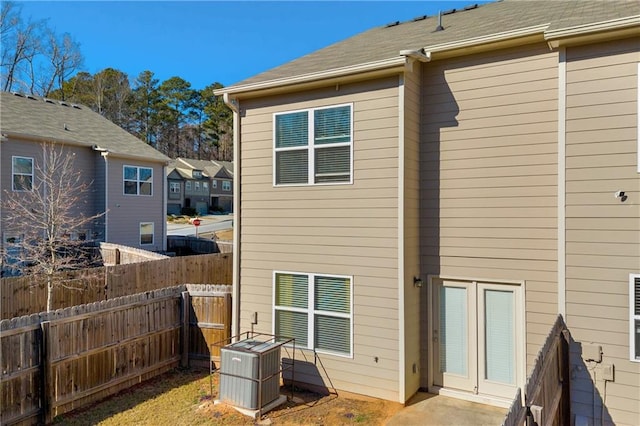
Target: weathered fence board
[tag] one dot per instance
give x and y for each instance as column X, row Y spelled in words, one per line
column 58, row 361
column 209, row 317
column 28, row 295
column 546, row 394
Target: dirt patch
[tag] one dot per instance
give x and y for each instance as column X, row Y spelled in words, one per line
column 184, row 397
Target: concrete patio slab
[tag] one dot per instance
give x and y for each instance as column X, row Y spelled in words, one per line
column 426, row 409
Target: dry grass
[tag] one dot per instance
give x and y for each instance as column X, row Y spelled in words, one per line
column 182, row 397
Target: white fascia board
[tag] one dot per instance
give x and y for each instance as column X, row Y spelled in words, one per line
column 553, row 36
column 491, row 38
column 322, row 75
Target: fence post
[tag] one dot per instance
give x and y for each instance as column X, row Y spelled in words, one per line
column 45, row 372
column 186, row 328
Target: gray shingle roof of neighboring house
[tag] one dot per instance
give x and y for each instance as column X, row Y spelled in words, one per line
column 210, row 167
column 386, row 42
column 56, row 121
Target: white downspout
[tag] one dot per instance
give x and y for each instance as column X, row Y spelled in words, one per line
column 165, row 186
column 562, row 136
column 106, row 195
column 235, row 300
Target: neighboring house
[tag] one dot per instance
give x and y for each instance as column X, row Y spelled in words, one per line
column 204, row 185
column 418, row 205
column 126, row 174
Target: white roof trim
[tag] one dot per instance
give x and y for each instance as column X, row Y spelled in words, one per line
column 304, row 78
column 521, row 32
column 577, row 30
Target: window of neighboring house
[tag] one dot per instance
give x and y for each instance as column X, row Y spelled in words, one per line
column 146, row 233
column 214, row 184
column 22, row 173
column 226, row 185
column 315, row 310
column 197, row 186
column 634, row 317
column 174, row 187
column 188, row 185
column 313, row 146
column 138, row 180
column 205, row 186
column 197, row 174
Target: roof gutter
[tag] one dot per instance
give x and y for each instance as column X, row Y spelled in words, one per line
column 614, row 28
column 391, row 64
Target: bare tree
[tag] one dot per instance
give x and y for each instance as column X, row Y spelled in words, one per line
column 48, row 212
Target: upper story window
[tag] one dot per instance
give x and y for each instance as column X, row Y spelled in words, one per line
column 313, row 146
column 197, row 186
column 187, row 185
column 22, row 173
column 197, row 174
column 226, row 185
column 174, row 187
column 138, row 180
column 214, row 184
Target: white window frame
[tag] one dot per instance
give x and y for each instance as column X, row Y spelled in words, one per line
column 214, row 184
column 311, row 147
column 187, row 186
column 205, row 186
column 174, row 187
column 152, row 233
column 13, row 173
column 137, row 180
column 632, row 318
column 197, row 186
column 226, row 185
column 311, row 311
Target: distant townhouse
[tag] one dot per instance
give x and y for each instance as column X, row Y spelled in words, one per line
column 127, row 176
column 202, row 186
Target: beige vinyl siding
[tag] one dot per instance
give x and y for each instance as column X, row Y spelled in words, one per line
column 411, row 232
column 489, row 175
column 602, row 233
column 126, row 212
column 347, row 230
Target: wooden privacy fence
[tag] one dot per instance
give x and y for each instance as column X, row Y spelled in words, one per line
column 116, row 254
column 58, row 361
column 547, row 397
column 28, row 295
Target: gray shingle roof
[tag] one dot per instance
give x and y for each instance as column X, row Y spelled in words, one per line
column 385, row 42
column 66, row 122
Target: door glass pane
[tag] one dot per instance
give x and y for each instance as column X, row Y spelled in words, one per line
column 453, row 330
column 499, row 336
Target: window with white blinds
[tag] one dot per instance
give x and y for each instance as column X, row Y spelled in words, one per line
column 634, row 317
column 315, row 310
column 313, row 146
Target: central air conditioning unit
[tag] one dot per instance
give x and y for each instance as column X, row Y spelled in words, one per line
column 250, row 373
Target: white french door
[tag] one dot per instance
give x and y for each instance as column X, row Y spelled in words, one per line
column 476, row 332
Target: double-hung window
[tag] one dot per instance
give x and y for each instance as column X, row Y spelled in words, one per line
column 315, row 310
column 138, row 180
column 634, row 317
column 174, row 187
column 313, row 146
column 197, row 186
column 226, row 185
column 146, row 233
column 22, row 173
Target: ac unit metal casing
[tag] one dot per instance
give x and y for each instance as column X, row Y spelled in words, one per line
column 240, row 366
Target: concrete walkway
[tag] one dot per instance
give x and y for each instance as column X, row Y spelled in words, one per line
column 426, row 409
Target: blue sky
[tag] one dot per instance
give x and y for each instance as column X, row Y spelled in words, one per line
column 214, row 41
